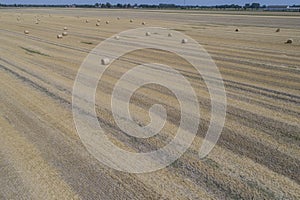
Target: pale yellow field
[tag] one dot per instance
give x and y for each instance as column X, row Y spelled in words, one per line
column 256, row 157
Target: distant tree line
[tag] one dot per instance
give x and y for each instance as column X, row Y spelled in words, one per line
column 174, row 6
column 47, row 5
column 247, row 6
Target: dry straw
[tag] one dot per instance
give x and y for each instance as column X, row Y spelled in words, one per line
column 184, row 41
column 289, row 41
column 105, row 61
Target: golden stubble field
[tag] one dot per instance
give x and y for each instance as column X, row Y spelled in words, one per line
column 256, row 157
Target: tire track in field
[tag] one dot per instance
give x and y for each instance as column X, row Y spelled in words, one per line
column 238, row 144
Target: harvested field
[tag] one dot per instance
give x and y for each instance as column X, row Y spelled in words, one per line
column 256, row 157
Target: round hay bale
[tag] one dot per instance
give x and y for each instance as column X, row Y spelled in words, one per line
column 98, row 20
column 183, row 41
column 65, row 28
column 26, row 32
column 97, row 24
column 87, row 21
column 237, row 30
column 143, row 23
column 118, row 18
column 148, row 33
column 170, row 35
column 131, row 20
column 64, row 33
column 278, row 30
column 107, row 22
column 59, row 36
column 105, row 61
column 117, row 37
column 289, row 41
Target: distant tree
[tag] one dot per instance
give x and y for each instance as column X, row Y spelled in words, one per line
column 255, row 6
column 108, row 5
column 247, row 5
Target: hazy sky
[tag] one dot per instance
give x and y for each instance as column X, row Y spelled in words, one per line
column 188, row 2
